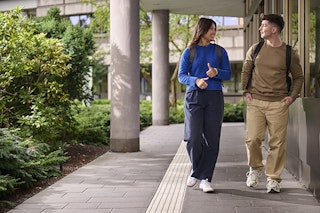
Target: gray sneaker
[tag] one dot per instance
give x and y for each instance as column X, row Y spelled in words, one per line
column 273, row 186
column 253, row 177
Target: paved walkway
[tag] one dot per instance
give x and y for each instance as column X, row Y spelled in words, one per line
column 153, row 180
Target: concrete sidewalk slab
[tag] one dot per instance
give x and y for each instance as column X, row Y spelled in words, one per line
column 231, row 193
column 154, row 180
column 114, row 182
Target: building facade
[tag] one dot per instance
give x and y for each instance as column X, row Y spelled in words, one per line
column 230, row 37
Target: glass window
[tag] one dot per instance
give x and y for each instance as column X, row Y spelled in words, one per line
column 82, row 20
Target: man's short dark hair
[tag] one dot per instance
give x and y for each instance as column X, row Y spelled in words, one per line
column 273, row 18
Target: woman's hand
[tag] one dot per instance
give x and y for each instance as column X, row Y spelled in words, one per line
column 212, row 72
column 201, row 83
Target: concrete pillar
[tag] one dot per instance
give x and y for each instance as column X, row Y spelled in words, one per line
column 276, row 6
column 255, row 27
column 267, row 7
column 125, row 75
column 304, row 35
column 160, row 67
column 287, row 16
column 317, row 63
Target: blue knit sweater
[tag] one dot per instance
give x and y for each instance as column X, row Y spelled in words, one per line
column 203, row 56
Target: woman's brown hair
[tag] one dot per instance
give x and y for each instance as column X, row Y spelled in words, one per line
column 202, row 27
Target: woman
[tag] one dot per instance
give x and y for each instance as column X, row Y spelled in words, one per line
column 204, row 100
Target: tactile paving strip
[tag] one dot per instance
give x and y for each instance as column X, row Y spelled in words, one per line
column 170, row 194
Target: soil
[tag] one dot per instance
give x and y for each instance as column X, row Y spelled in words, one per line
column 79, row 155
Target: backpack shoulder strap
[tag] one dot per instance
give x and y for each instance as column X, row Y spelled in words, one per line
column 256, row 51
column 288, row 57
column 219, row 52
column 288, row 61
column 192, row 55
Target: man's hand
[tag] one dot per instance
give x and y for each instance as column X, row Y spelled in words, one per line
column 201, row 83
column 212, row 72
column 248, row 96
column 288, row 100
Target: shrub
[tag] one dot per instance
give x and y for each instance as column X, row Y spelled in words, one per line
column 233, row 112
column 78, row 43
column 176, row 115
column 93, row 123
column 145, row 113
column 31, row 67
column 24, row 161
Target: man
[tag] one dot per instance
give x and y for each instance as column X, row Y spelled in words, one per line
column 268, row 100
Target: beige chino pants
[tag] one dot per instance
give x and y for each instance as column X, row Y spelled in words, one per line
column 263, row 115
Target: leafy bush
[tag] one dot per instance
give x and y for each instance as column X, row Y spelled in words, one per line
column 31, row 67
column 34, row 100
column 78, row 43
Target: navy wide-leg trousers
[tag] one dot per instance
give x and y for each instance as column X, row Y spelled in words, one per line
column 203, row 120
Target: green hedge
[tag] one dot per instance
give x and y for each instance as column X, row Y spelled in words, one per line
column 233, row 112
column 94, row 121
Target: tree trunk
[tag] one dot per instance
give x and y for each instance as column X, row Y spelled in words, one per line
column 146, row 75
column 173, row 81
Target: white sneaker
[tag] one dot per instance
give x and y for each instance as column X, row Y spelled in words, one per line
column 253, row 177
column 273, row 186
column 191, row 181
column 205, row 186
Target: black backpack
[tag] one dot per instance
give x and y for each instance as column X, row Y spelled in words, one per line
column 288, row 62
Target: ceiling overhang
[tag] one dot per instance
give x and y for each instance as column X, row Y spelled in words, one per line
column 233, row 8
